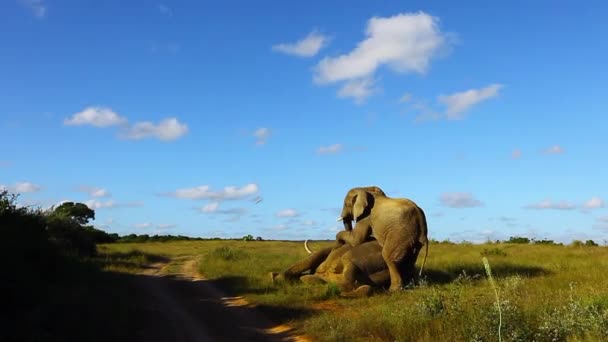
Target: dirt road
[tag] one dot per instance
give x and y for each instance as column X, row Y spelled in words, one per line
column 183, row 307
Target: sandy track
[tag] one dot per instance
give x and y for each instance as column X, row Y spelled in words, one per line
column 184, row 307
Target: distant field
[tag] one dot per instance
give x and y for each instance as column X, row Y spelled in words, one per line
column 547, row 293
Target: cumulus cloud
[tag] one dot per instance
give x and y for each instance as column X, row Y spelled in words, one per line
column 516, row 154
column 21, row 187
column 288, row 213
column 205, row 192
column 459, row 200
column 166, row 130
column 94, row 191
column 97, row 204
column 458, row 103
column 555, row 149
column 306, row 47
column 359, row 89
column 261, row 134
column 331, row 149
column 210, row 207
column 404, row 42
column 549, row 204
column 37, row 7
column 594, row 203
column 95, row 116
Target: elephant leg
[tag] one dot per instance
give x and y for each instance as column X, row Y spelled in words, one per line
column 394, row 253
column 349, row 272
column 309, row 264
column 359, row 292
column 357, row 236
column 311, row 279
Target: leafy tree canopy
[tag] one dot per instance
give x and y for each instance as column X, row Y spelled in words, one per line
column 76, row 211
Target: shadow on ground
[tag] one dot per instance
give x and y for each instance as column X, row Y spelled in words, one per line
column 472, row 272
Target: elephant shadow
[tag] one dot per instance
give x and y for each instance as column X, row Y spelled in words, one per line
column 240, row 285
column 473, row 272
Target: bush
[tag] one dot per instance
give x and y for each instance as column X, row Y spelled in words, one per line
column 518, row 239
column 591, row 243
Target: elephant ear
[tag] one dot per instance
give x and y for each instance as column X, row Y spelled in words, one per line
column 359, row 203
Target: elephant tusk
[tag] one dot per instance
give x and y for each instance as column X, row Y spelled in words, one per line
column 306, row 247
column 339, row 219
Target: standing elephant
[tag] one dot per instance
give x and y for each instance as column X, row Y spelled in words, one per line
column 398, row 224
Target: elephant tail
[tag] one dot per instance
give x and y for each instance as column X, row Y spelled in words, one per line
column 424, row 240
column 426, row 252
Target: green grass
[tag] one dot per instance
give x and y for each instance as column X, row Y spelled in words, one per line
column 547, row 292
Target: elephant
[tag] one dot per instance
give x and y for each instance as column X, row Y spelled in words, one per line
column 398, row 224
column 355, row 270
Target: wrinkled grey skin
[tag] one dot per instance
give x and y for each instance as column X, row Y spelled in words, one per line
column 355, row 270
column 398, row 224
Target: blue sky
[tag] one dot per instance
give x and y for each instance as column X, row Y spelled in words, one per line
column 177, row 117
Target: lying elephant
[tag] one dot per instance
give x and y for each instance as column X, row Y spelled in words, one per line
column 354, row 269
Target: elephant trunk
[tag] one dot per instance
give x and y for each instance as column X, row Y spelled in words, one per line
column 348, row 224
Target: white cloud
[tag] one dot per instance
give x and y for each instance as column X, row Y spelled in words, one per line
column 594, row 203
column 21, row 187
column 404, row 42
column 306, row 47
column 309, row 223
column 168, row 129
column 458, row 103
column 555, row 149
column 95, row 116
column 95, row 192
column 165, row 226
column 407, row 97
column 287, row 213
column 359, row 89
column 459, row 200
column 96, row 204
column 142, row 225
column 549, row 204
column 165, row 10
column 331, row 149
column 228, row 193
column 516, row 154
column 262, row 134
column 37, row 7
column 210, row 207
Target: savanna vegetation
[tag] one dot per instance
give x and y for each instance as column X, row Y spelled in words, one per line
column 546, row 292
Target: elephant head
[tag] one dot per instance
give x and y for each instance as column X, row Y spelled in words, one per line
column 357, row 202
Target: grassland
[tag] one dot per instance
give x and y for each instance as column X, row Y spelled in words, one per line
column 547, row 293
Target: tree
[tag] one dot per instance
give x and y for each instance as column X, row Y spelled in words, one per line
column 248, row 237
column 76, row 211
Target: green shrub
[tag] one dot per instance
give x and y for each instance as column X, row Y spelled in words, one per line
column 518, row 239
